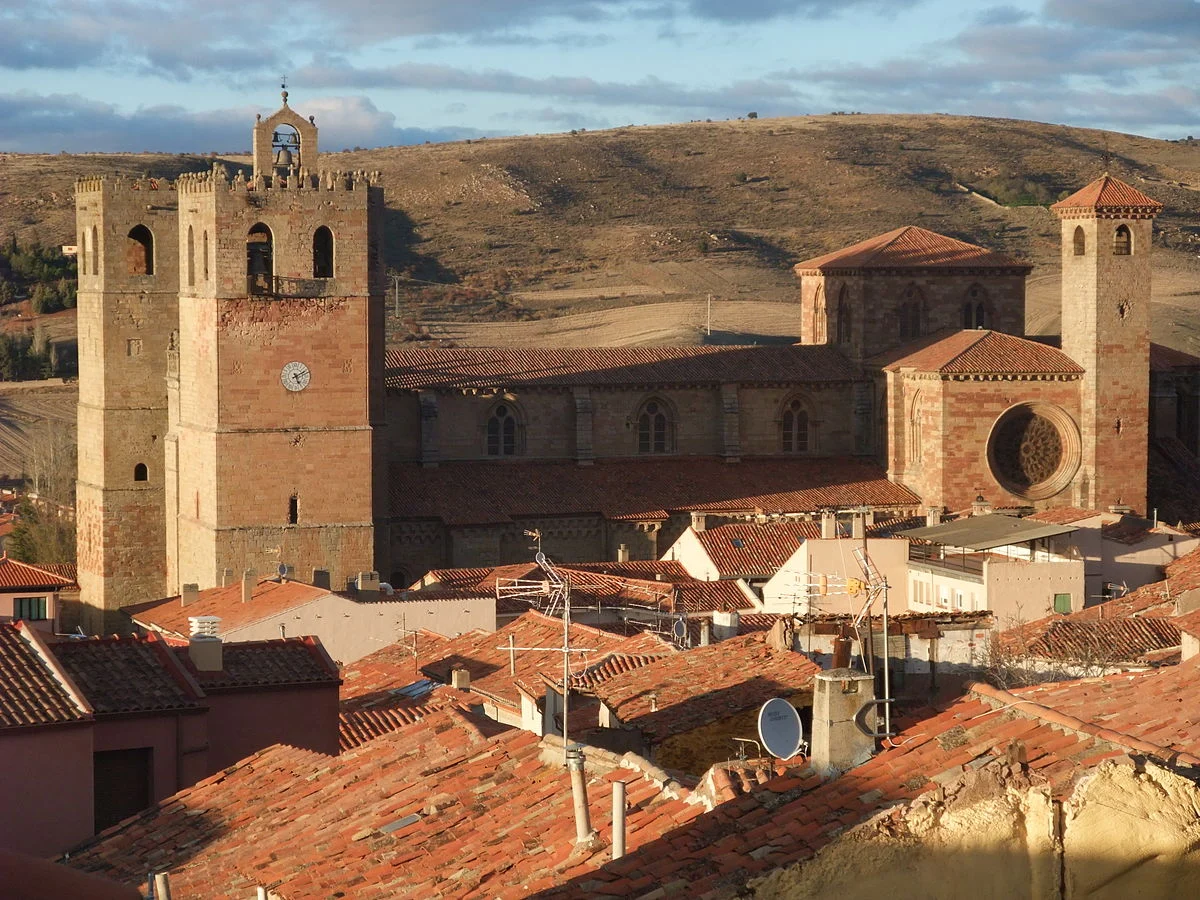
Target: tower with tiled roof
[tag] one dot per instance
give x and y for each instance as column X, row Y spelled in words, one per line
column 1106, row 243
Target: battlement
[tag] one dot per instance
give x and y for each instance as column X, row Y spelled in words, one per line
column 101, row 184
column 218, row 179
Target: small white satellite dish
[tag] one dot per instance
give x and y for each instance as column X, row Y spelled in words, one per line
column 679, row 629
column 779, row 728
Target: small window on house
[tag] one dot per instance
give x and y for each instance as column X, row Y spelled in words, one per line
column 1122, row 241
column 191, row 258
column 1080, row 241
column 31, row 609
column 502, row 431
column 655, row 428
column 293, row 510
column 1062, row 603
column 322, row 253
column 140, row 472
column 793, row 427
column 139, row 251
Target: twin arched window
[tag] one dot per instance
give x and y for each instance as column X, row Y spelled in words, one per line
column 912, row 313
column 793, row 427
column 503, row 431
column 656, row 427
column 975, row 308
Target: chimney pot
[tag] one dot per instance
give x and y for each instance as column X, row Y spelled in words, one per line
column 933, row 515
column 829, row 527
column 699, row 521
column 705, row 631
column 460, row 678
column 226, row 577
column 205, row 646
column 623, row 553
column 189, row 595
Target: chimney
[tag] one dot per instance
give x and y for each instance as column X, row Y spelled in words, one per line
column 460, row 678
column 829, row 527
column 725, row 624
column 368, row 583
column 980, row 506
column 204, row 645
column 226, row 577
column 1120, row 509
column 858, row 526
column 623, row 553
column 838, row 743
column 583, row 819
column 320, row 578
column 249, row 580
column 618, row 820
column 705, row 631
column 933, row 515
column 190, row 594
column 699, row 521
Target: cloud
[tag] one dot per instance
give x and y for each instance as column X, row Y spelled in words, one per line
column 52, row 122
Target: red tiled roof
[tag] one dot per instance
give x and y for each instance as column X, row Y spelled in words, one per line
column 1108, row 194
column 417, row 368
column 369, row 681
column 1164, row 358
column 270, row 597
column 69, row 571
column 750, row 550
column 1156, row 599
column 643, row 569
column 1065, row 515
column 690, row 689
column 1099, row 642
column 482, row 655
column 280, row 661
column 357, row 726
column 451, row 806
column 127, row 674
column 632, row 653
column 20, row 576
column 909, row 247
column 31, row 693
column 475, row 493
column 986, row 352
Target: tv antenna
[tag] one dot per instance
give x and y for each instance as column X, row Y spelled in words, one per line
column 876, row 586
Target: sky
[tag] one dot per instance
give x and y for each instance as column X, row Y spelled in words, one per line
column 164, row 75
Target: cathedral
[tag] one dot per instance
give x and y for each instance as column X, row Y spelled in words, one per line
column 238, row 408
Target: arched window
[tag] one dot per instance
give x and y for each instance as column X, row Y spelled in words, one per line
column 914, row 431
column 1122, row 241
column 95, row 268
column 260, row 259
column 139, row 251
column 911, row 313
column 191, row 258
column 793, row 427
column 975, row 308
column 141, row 473
column 820, row 330
column 1080, row 241
column 204, row 250
column 322, row 253
column 843, row 316
column 503, row 431
column 656, row 430
column 83, row 252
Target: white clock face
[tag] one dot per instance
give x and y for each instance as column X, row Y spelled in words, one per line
column 295, row 376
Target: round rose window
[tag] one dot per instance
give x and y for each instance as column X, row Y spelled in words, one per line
column 1033, row 450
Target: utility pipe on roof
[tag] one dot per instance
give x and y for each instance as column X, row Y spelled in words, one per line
column 618, row 820
column 583, row 819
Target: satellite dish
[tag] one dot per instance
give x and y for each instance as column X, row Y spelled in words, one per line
column 779, row 728
column 679, row 629
column 282, row 570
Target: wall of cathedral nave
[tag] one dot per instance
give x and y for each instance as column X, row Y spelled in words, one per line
column 587, row 423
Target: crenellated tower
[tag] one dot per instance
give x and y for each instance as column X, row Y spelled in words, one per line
column 1106, row 242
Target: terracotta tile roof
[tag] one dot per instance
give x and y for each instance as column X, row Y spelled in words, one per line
column 371, row 680
column 643, row 569
column 986, row 352
column 281, row 661
column 472, row 493
column 1099, row 642
column 1189, row 623
column 1066, row 515
column 128, row 674
column 736, row 778
column 1165, row 358
column 270, row 597
column 706, row 596
column 357, row 726
column 453, row 578
column 750, row 550
column 31, row 693
column 481, row 654
column 1108, row 194
column 1057, row 732
column 687, row 690
column 632, row 653
column 69, row 571
column 451, row 806
column 909, row 247
column 20, row 576
column 1156, row 599
column 417, row 368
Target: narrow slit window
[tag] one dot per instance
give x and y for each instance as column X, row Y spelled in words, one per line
column 293, row 510
column 1080, row 241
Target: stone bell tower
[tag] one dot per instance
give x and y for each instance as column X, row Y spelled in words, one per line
column 275, row 384
column 1106, row 242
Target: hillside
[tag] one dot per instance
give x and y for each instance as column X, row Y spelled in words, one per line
column 533, row 227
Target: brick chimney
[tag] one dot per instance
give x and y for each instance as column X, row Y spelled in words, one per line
column 189, row 595
column 204, row 645
column 837, row 742
column 249, row 581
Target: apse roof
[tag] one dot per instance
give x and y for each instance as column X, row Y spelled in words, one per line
column 910, row 247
